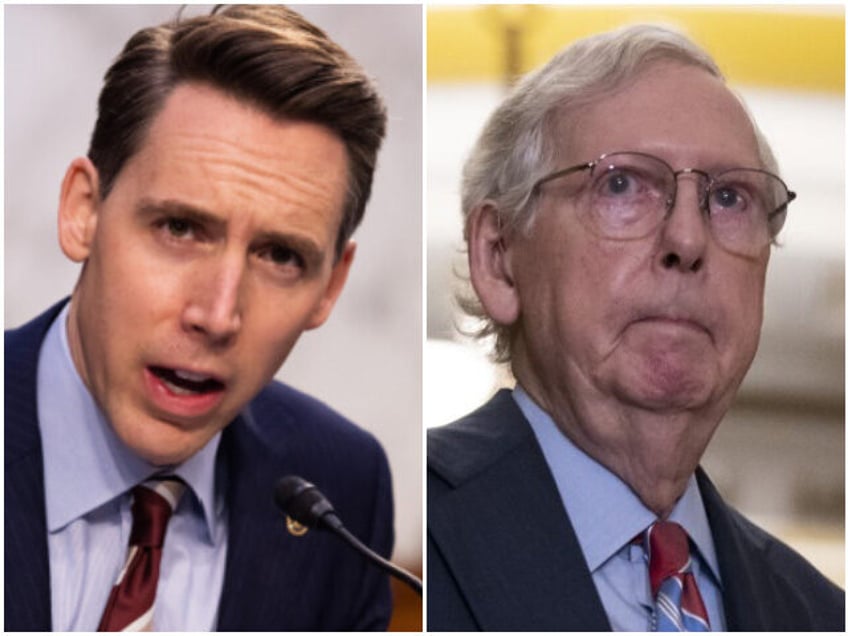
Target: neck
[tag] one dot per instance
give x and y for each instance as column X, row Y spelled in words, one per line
column 653, row 452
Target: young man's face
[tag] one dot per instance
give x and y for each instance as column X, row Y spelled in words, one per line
column 212, row 253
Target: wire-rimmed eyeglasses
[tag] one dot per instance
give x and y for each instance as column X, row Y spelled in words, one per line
column 629, row 194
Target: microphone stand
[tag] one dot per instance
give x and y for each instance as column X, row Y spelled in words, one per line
column 304, row 503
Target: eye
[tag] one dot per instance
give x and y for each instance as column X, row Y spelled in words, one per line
column 282, row 256
column 616, row 183
column 178, row 227
column 728, row 198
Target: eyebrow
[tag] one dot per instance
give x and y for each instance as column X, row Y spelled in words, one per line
column 308, row 248
column 150, row 207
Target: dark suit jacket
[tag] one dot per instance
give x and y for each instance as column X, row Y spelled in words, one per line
column 502, row 554
column 273, row 580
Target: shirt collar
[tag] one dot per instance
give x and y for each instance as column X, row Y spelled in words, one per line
column 75, row 434
column 605, row 513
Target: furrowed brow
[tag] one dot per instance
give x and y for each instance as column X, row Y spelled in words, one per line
column 150, row 207
column 309, row 250
column 306, row 246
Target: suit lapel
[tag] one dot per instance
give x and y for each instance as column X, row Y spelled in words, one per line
column 518, row 564
column 249, row 599
column 751, row 602
column 27, row 570
column 267, row 584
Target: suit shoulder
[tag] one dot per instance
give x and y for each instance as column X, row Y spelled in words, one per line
column 22, row 343
column 21, row 348
column 788, row 563
column 285, row 415
column 791, row 594
column 284, row 431
column 461, row 449
column 814, row 602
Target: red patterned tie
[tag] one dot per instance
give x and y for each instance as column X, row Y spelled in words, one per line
column 130, row 605
column 678, row 603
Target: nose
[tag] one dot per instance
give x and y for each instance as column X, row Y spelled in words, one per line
column 214, row 302
column 684, row 235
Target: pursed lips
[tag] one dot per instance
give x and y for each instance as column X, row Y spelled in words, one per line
column 684, row 320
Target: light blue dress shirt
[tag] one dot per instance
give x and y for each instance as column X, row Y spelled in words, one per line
column 88, row 473
column 606, row 515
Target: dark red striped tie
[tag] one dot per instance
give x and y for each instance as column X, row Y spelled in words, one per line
column 130, row 605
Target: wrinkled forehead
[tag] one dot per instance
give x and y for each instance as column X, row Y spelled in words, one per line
column 679, row 112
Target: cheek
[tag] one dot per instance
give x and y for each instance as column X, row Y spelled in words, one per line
column 140, row 289
column 572, row 292
column 273, row 320
column 270, row 339
column 743, row 303
column 603, row 284
column 116, row 281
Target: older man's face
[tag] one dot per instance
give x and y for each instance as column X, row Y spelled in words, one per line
column 664, row 323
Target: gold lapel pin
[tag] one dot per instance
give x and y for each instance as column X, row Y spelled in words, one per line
column 296, row 529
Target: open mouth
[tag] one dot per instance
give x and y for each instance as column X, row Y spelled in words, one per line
column 186, row 383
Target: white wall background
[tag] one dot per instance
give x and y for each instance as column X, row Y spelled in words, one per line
column 366, row 361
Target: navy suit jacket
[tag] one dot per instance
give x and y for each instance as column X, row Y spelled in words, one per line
column 502, row 554
column 273, row 581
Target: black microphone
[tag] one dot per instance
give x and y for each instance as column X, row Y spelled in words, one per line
column 304, row 503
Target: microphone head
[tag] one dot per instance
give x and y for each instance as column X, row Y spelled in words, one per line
column 302, row 501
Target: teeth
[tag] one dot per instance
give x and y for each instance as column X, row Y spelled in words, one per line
column 181, row 382
column 178, row 389
column 191, row 377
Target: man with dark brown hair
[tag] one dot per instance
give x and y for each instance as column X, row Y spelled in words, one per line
column 230, row 163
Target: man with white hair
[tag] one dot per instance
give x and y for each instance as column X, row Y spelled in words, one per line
column 619, row 208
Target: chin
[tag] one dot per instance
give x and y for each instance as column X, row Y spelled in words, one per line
column 682, row 391
column 163, row 455
column 163, row 444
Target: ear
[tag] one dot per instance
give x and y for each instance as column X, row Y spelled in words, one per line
column 334, row 287
column 78, row 204
column 489, row 262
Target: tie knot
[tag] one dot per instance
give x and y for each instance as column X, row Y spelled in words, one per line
column 668, row 550
column 153, row 503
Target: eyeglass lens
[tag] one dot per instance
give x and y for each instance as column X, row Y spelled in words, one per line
column 630, row 194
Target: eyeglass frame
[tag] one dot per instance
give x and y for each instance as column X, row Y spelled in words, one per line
column 711, row 180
